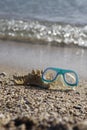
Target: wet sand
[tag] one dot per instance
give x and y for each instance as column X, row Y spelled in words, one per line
column 31, row 108
column 25, row 57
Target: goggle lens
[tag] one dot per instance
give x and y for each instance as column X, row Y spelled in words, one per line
column 49, row 75
column 70, row 77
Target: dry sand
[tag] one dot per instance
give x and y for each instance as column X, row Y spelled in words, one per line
column 33, row 108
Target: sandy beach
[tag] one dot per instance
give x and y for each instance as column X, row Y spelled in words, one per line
column 33, row 108
column 25, row 107
column 35, row 35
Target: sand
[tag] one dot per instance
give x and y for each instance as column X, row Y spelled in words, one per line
column 33, row 108
column 30, row 107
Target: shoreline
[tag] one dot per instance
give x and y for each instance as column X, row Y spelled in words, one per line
column 24, row 57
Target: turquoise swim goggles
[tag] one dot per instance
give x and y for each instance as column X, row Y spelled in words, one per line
column 69, row 76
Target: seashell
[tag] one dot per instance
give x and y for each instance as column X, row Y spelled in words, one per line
column 38, row 72
column 19, row 81
column 3, row 74
column 33, row 72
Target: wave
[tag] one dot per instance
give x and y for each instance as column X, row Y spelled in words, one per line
column 43, row 32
